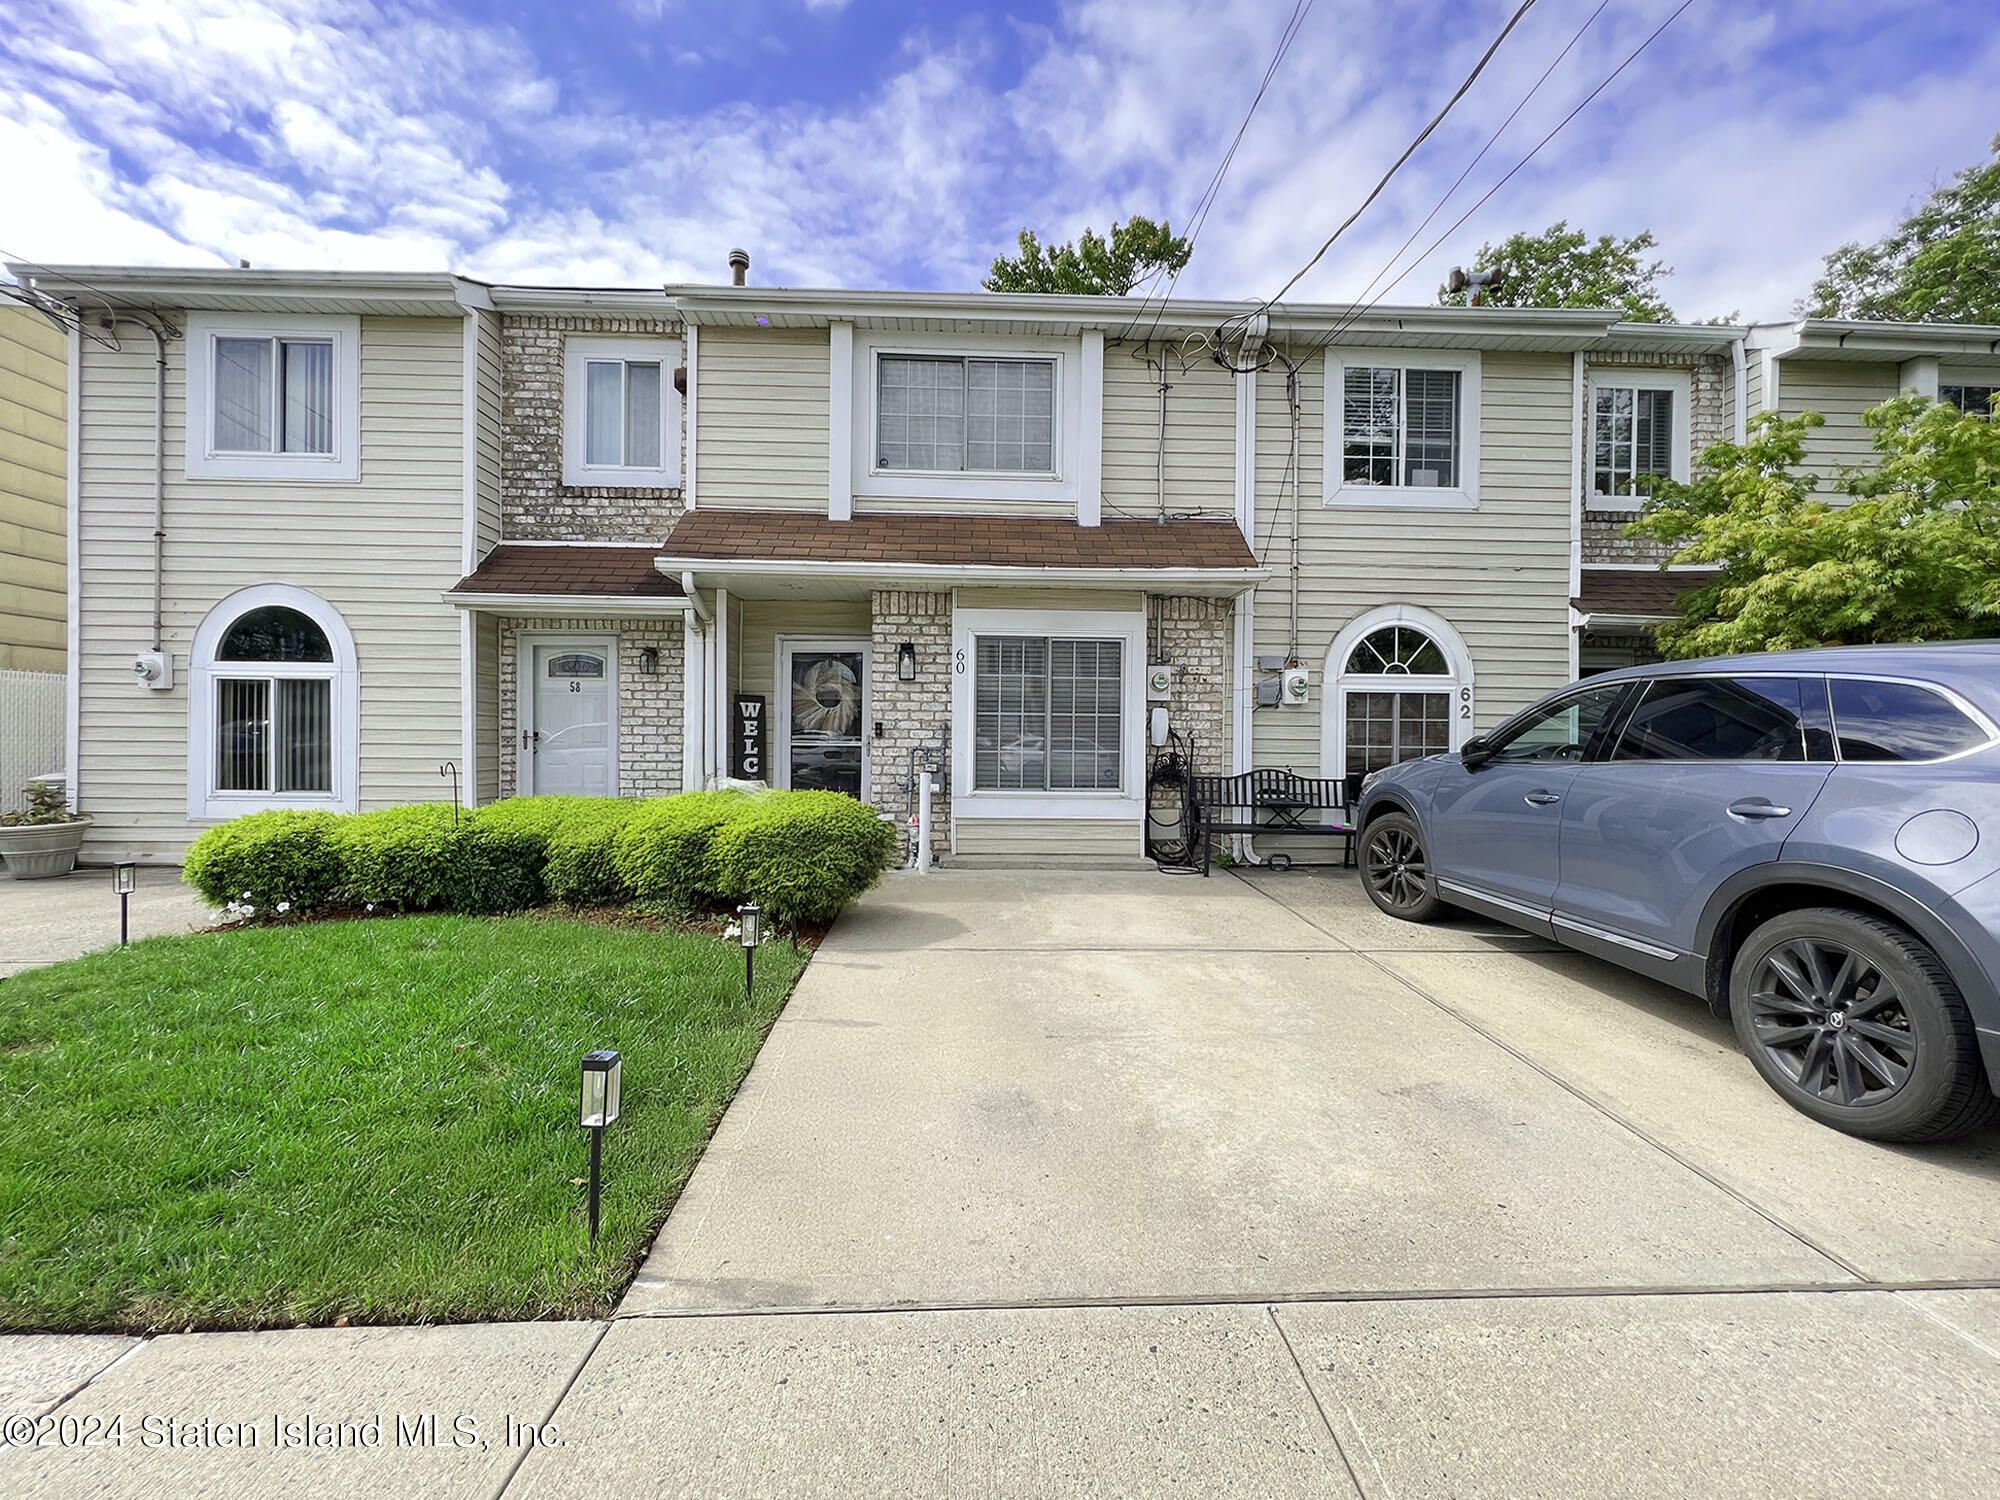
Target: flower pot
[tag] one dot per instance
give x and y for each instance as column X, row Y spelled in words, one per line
column 41, row 851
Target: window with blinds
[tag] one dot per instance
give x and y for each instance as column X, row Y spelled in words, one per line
column 1632, row 439
column 273, row 395
column 274, row 734
column 964, row 415
column 1400, row 427
column 1047, row 714
column 624, row 413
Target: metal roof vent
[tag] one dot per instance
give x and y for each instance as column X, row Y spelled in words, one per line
column 739, row 267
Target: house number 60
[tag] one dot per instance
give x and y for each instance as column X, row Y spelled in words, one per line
column 958, row 660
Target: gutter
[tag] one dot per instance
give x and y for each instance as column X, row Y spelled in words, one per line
column 1228, row 580
column 593, row 604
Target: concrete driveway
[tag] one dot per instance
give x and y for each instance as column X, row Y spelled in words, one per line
column 46, row 921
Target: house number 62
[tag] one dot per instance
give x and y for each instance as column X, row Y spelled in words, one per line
column 1465, row 703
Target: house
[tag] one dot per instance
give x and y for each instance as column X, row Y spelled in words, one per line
column 34, row 449
column 351, row 540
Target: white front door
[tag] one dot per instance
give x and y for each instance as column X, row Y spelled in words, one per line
column 822, row 715
column 570, row 732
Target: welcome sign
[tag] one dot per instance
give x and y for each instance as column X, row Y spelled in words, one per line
column 746, row 755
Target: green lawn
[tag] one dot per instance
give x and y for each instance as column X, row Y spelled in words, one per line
column 374, row 1120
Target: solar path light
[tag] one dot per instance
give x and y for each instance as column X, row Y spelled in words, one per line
column 601, row 1083
column 124, row 880
column 751, row 919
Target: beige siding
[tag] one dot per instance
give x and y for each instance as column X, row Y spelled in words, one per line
column 1127, row 600
column 1200, row 435
column 379, row 551
column 761, row 402
column 488, row 457
column 1499, row 574
column 1048, row 837
column 34, row 492
column 1753, row 383
column 1840, row 392
column 486, row 709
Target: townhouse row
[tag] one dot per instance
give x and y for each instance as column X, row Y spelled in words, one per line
column 343, row 540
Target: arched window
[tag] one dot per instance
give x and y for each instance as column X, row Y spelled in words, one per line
column 272, row 707
column 1399, row 686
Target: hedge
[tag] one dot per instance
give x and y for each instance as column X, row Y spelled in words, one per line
column 802, row 856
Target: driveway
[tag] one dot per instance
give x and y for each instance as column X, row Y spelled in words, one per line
column 46, row 921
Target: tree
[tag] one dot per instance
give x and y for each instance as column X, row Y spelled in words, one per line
column 1913, row 556
column 1940, row 265
column 1562, row 267
column 1091, row 266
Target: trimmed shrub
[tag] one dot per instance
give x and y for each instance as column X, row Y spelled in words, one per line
column 405, row 858
column 526, row 825
column 802, row 856
column 580, row 870
column 665, row 852
column 269, row 857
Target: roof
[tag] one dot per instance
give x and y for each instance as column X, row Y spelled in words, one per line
column 1026, row 542
column 1638, row 592
column 529, row 570
column 1865, row 339
column 230, row 289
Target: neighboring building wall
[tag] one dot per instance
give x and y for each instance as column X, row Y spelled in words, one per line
column 488, row 449
column 1499, row 574
column 649, row 708
column 537, row 505
column 1839, row 392
column 1194, row 637
column 381, row 552
column 913, row 715
column 1200, row 433
column 1712, row 382
column 761, row 400
column 34, row 493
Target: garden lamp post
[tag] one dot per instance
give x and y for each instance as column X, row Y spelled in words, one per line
column 751, row 919
column 124, row 880
column 599, row 1107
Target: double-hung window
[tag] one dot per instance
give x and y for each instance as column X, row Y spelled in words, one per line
column 951, row 415
column 1638, row 434
column 621, row 413
column 1047, row 714
column 273, row 399
column 1970, row 398
column 1399, row 427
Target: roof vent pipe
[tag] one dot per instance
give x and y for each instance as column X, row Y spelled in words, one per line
column 739, row 267
column 1476, row 284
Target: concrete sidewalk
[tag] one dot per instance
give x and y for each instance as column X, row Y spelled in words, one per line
column 47, row 921
column 1105, row 1185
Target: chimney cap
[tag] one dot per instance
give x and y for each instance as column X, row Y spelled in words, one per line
column 739, row 265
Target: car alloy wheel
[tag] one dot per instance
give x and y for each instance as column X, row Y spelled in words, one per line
column 1395, row 870
column 1833, row 1021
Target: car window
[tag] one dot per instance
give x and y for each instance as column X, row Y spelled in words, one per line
column 1560, row 730
column 1899, row 721
column 1716, row 718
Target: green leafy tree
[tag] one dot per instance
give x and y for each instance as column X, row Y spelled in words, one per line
column 1913, row 554
column 1940, row 265
column 1092, row 266
column 1564, row 267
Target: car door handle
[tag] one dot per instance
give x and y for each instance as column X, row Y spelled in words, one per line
column 1758, row 807
column 1542, row 799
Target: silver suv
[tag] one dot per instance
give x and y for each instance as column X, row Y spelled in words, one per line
column 1810, row 840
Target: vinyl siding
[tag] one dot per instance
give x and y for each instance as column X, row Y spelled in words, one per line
column 380, row 552
column 1048, row 837
column 486, row 709
column 1499, row 574
column 761, row 403
column 1126, row 600
column 1840, row 392
column 1200, row 435
column 488, row 523
column 1753, row 383
column 34, row 492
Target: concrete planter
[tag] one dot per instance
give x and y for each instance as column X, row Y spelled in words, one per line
column 42, row 851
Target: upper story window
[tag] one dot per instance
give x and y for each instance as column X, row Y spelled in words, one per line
column 1403, row 432
column 1638, row 431
column 273, row 399
column 1971, row 398
column 621, row 413
column 943, row 414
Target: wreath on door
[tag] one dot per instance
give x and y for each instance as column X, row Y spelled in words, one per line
column 826, row 699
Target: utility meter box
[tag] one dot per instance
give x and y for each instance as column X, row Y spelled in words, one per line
column 1294, row 687
column 154, row 669
column 1159, row 682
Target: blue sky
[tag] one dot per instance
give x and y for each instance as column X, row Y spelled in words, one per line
column 859, row 142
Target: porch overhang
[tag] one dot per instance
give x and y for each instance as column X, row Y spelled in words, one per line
column 555, row 580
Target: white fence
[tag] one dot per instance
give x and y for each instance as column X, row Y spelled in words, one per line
column 33, row 725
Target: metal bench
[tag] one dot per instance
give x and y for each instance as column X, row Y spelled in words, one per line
column 1276, row 803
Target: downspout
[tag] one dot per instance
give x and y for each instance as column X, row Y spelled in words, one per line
column 1160, row 462
column 696, row 698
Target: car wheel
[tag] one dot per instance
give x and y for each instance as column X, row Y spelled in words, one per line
column 1858, row 1024
column 1396, row 870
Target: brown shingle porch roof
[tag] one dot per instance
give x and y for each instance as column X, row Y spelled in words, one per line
column 580, row 572
column 1637, row 591
column 954, row 541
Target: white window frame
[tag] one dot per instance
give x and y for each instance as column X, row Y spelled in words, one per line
column 204, row 461
column 1125, row 626
column 1073, row 449
column 788, row 646
column 205, row 802
column 1462, row 496
column 526, row 643
column 1339, row 682
column 1679, row 384
column 578, row 352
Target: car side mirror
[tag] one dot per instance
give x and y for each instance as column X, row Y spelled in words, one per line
column 1475, row 752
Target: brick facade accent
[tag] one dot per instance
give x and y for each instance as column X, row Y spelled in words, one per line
column 649, row 708
column 913, row 715
column 1605, row 518
column 1193, row 636
column 535, row 504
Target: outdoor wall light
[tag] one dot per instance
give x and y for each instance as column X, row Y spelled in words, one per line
column 649, row 661
column 124, row 880
column 598, row 1107
column 750, row 918
column 906, row 662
